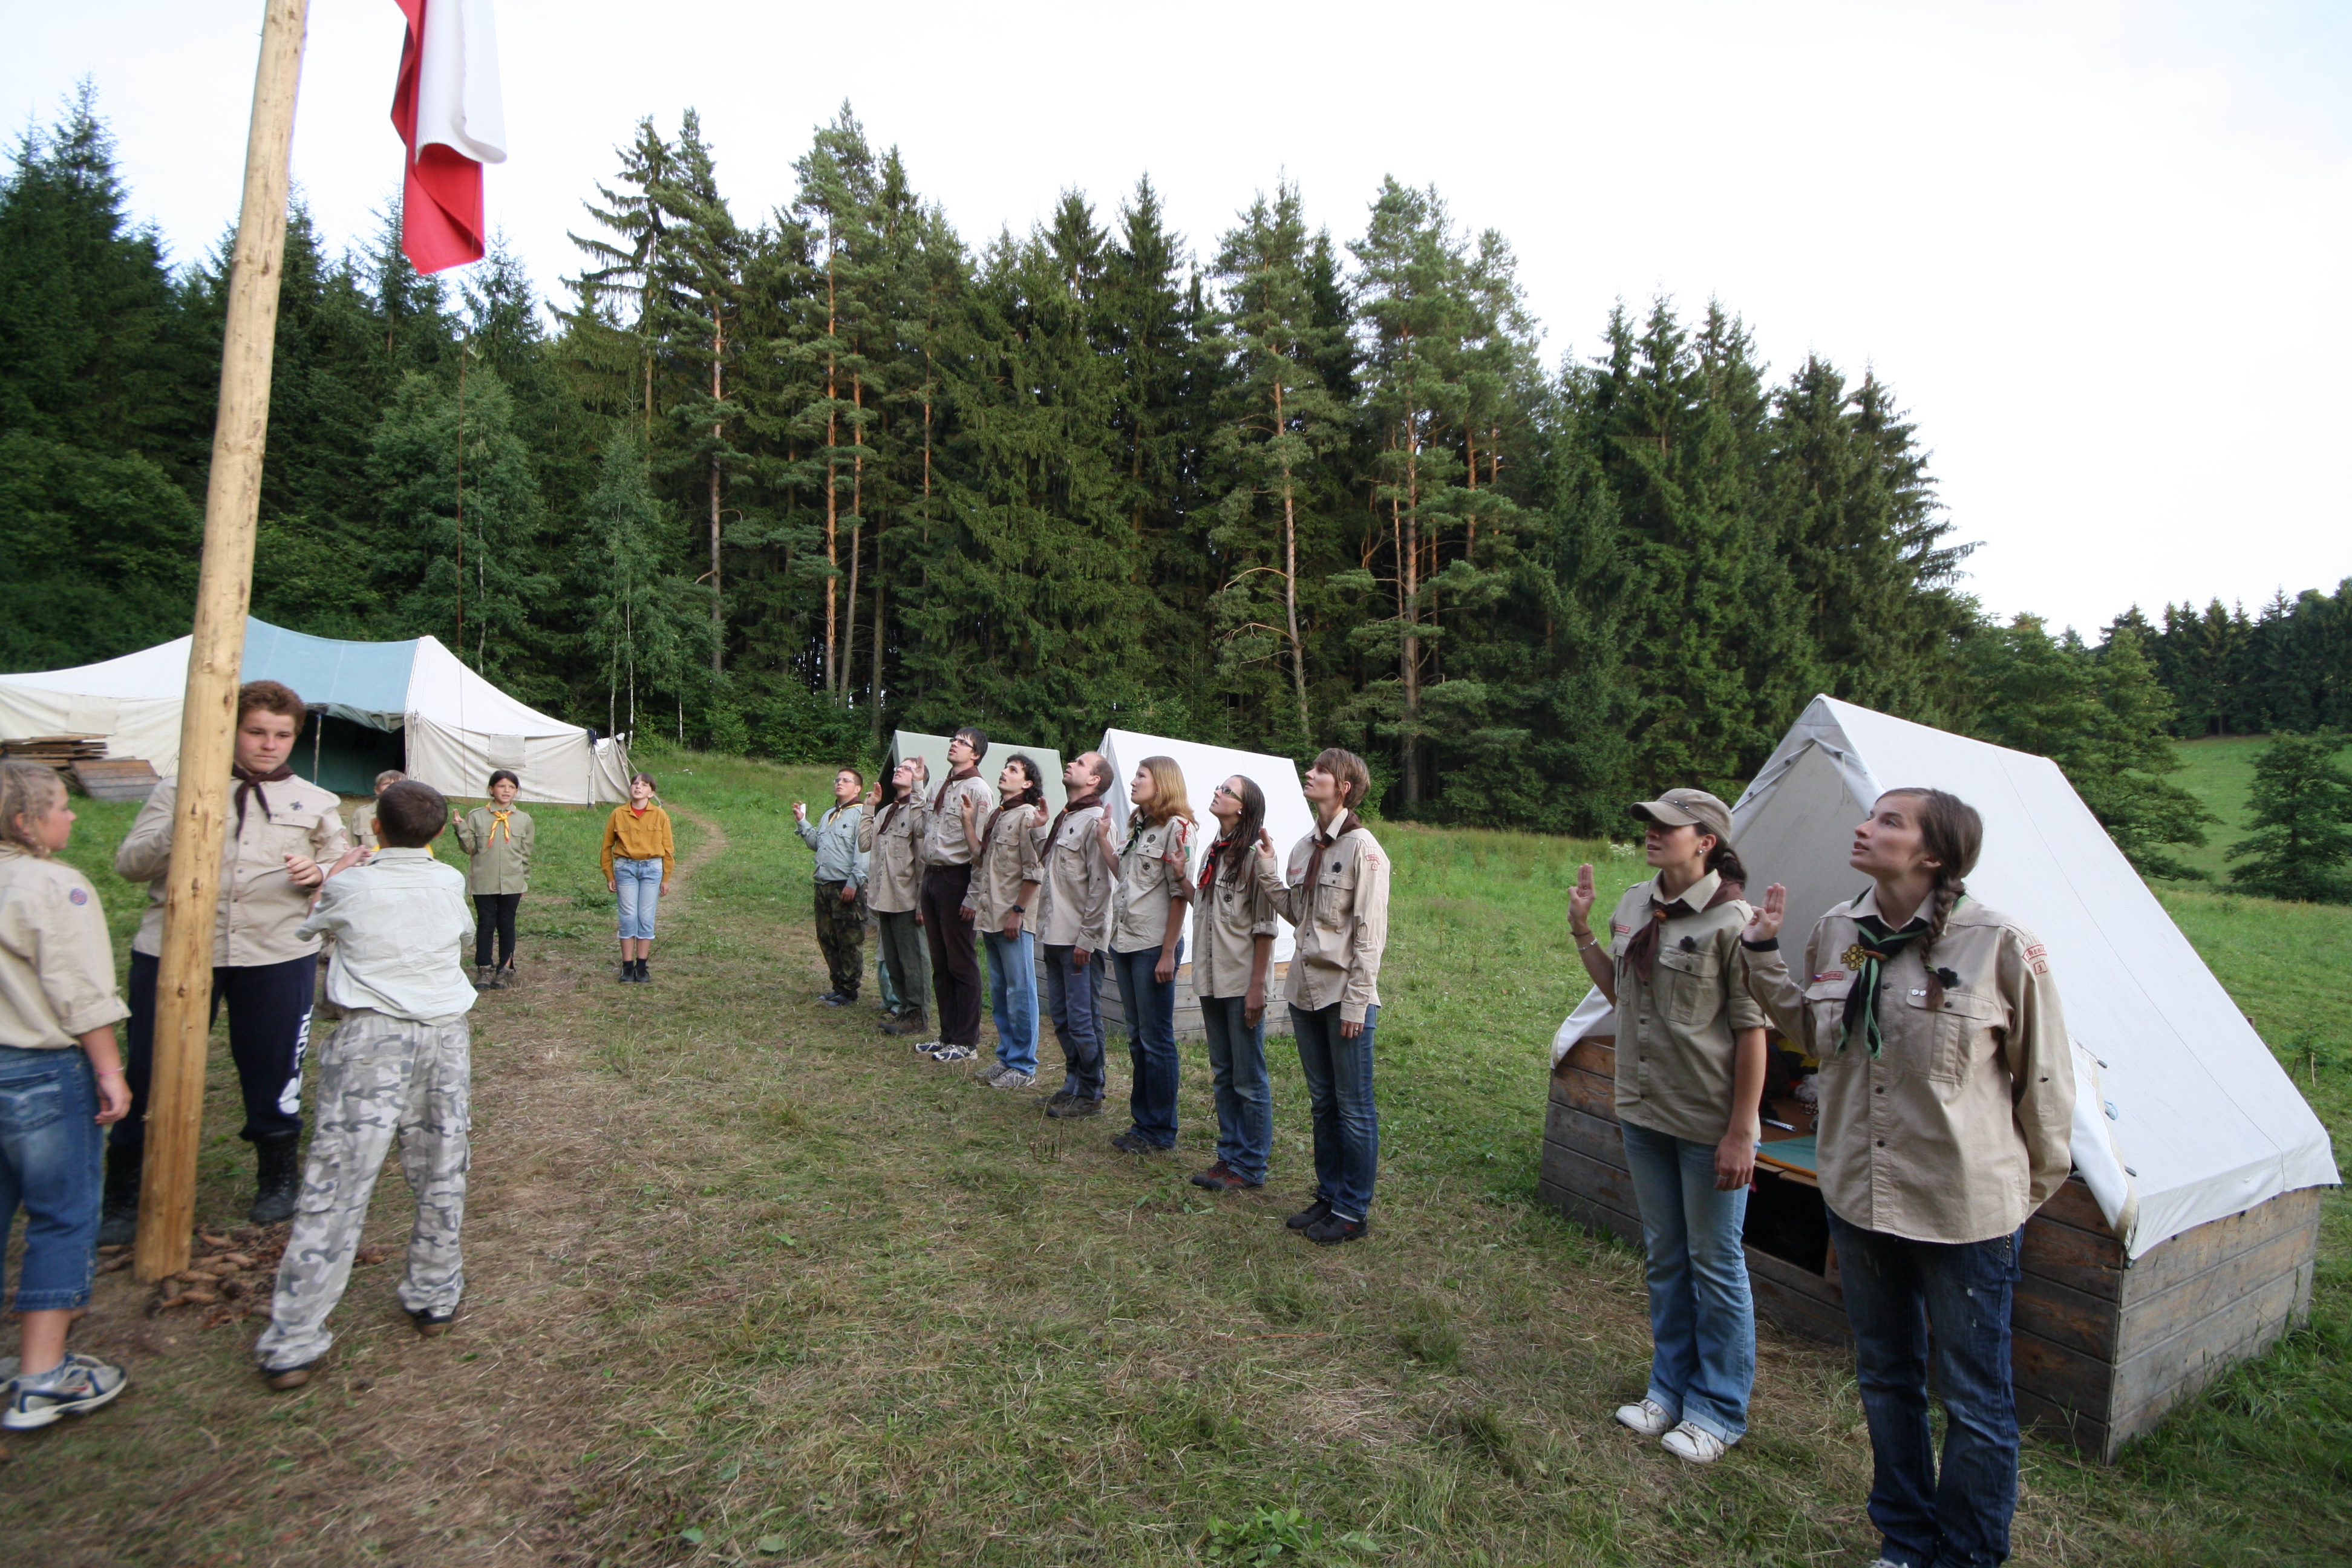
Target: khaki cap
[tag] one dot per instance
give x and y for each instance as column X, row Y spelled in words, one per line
column 1687, row 809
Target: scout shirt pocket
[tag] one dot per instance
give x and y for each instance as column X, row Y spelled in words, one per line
column 1689, row 983
column 1825, row 1015
column 1335, row 898
column 1959, row 1033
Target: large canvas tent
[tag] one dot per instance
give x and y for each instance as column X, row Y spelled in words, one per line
column 2187, row 1239
column 409, row 705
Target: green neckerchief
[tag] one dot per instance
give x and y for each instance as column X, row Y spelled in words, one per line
column 1867, row 957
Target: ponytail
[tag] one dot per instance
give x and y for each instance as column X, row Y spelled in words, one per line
column 1951, row 830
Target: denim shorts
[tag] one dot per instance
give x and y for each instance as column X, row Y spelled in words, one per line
column 50, row 1162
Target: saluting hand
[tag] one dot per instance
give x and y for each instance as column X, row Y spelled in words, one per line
column 1266, row 849
column 873, row 796
column 1580, row 900
column 799, row 811
column 1765, row 924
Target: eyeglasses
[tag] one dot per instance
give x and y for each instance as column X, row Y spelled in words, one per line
column 1223, row 789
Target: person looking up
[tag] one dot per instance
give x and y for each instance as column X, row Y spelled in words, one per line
column 951, row 826
column 639, row 849
column 1945, row 1118
column 1074, row 923
column 1004, row 879
column 840, row 878
column 890, row 834
column 1690, row 1082
column 1234, row 928
column 1147, row 943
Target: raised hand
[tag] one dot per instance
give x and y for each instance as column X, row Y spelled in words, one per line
column 1265, row 848
column 1765, row 924
column 799, row 811
column 1580, row 900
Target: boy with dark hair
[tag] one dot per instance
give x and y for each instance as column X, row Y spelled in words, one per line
column 400, row 1066
column 282, row 833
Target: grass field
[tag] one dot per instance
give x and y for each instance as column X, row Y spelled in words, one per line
column 2219, row 771
column 750, row 1282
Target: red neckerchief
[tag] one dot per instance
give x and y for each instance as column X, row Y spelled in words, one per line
column 1209, row 866
column 1642, row 952
column 250, row 783
column 1315, row 862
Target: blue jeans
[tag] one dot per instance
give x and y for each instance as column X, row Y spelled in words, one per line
column 1338, row 1073
column 1150, row 1043
column 1701, row 1320
column 50, row 1156
column 638, row 882
column 1237, row 1073
column 1013, row 997
column 1073, row 1000
column 1897, row 1291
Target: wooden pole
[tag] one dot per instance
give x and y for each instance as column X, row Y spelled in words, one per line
column 176, row 1103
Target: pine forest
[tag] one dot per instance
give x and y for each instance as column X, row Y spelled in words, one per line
column 782, row 482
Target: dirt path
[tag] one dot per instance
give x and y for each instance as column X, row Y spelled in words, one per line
column 479, row 1447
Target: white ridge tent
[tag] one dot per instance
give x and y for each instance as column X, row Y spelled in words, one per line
column 2184, row 1115
column 452, row 727
column 1287, row 816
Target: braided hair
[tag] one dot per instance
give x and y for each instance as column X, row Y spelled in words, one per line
column 32, row 791
column 1951, row 831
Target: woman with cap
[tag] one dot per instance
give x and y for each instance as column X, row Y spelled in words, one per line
column 1690, row 1076
column 1947, row 1113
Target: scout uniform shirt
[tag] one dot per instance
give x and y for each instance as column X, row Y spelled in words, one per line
column 56, row 966
column 1960, row 1128
column 261, row 905
column 1155, row 867
column 1007, row 859
column 1228, row 917
column 1675, row 1047
column 399, row 928
column 501, row 843
column 835, row 837
column 363, row 834
column 1073, row 907
column 944, row 843
column 1342, row 921
column 892, row 839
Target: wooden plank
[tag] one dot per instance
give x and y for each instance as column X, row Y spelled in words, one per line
column 1797, row 1298
column 2148, row 1321
column 128, row 778
column 1593, row 1056
column 2063, row 1316
column 1587, row 1135
column 2065, row 1377
column 2073, row 1204
column 1589, row 1179
column 2093, row 1265
column 2192, row 1252
column 1588, row 1092
column 2085, row 1432
column 1583, row 1210
column 2182, row 1367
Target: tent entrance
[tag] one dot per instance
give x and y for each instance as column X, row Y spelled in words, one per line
column 338, row 754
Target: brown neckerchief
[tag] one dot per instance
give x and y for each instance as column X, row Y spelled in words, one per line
column 249, row 784
column 1315, row 862
column 1642, row 952
column 968, row 770
column 1086, row 802
column 989, row 832
column 889, row 813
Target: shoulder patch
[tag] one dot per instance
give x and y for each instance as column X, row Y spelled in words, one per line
column 1829, row 974
column 78, row 896
column 2037, row 950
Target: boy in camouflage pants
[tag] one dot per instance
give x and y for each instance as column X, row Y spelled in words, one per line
column 399, row 1066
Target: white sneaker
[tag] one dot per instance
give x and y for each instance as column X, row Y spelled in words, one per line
column 928, row 1048
column 1648, row 1417
column 1693, row 1446
column 1012, row 1077
column 986, row 1077
column 953, row 1054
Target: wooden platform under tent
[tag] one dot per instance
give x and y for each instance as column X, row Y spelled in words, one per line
column 82, row 761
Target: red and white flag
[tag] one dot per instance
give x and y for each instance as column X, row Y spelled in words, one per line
column 446, row 110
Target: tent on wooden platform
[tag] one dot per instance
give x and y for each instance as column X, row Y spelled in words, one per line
column 2187, row 1239
column 409, row 705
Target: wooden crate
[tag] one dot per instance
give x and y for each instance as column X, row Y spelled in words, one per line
column 2102, row 1347
column 121, row 778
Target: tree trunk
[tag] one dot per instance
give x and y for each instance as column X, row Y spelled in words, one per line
column 832, row 498
column 1290, row 579
column 718, row 601
column 1409, row 654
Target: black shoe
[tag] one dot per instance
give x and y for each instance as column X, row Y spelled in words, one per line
column 432, row 1324
column 628, row 972
column 1221, row 1178
column 285, row 1380
column 1332, row 1230
column 1075, row 1105
column 118, row 1224
column 645, row 975
column 835, row 999
column 278, row 1177
column 1133, row 1142
column 1314, row 1213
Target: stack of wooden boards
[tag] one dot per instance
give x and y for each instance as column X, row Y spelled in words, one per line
column 83, row 761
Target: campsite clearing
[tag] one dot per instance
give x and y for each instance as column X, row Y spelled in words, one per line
column 743, row 1271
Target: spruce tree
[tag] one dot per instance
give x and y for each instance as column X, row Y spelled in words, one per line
column 2302, row 816
column 645, row 626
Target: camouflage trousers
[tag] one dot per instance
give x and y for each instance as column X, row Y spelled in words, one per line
column 380, row 1078
column 841, row 934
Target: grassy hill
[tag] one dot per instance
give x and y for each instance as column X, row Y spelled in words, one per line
column 2219, row 771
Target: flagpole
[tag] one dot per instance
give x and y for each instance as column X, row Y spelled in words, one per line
column 176, row 1103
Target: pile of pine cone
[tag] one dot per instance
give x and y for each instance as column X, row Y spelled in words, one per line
column 229, row 1276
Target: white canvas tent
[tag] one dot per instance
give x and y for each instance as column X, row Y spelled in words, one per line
column 2184, row 1115
column 454, row 726
column 1287, row 816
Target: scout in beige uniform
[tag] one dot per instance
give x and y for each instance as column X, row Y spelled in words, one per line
column 500, row 839
column 1147, row 943
column 1690, row 1074
column 59, row 1081
column 891, row 834
column 363, row 834
column 1946, row 1101
column 959, row 808
column 1234, row 928
column 1074, row 919
column 1004, row 879
column 1335, row 894
column 283, row 832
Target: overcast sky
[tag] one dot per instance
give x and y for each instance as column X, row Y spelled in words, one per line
column 2098, row 250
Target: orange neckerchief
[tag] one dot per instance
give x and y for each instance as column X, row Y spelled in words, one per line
column 499, row 824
